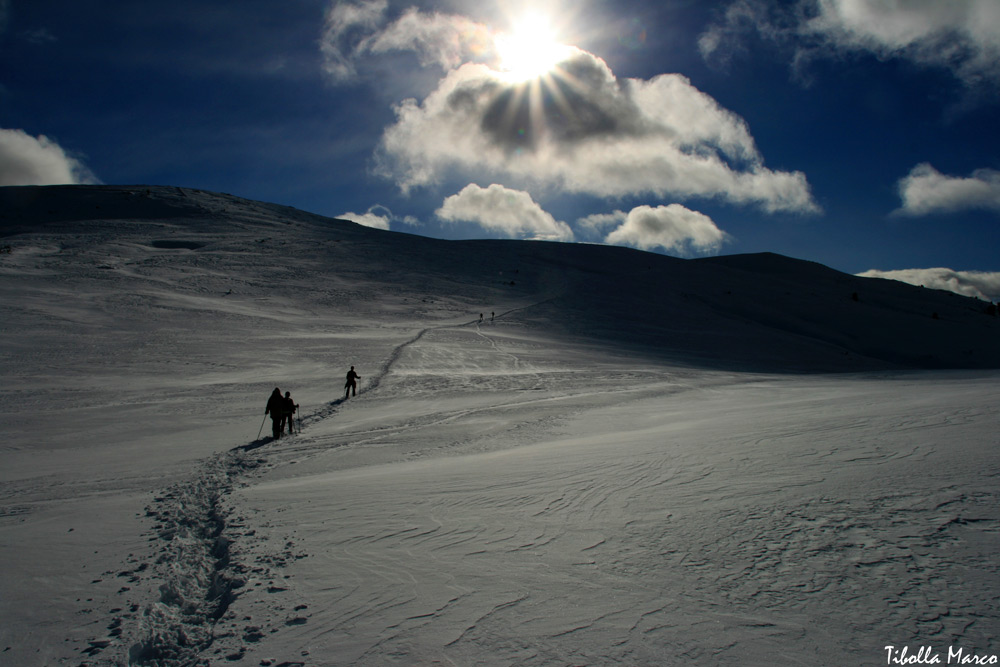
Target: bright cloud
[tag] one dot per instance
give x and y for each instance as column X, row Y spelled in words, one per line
column 510, row 212
column 28, row 160
column 926, row 190
column 960, row 35
column 979, row 284
column 673, row 228
column 576, row 128
column 377, row 217
column 582, row 130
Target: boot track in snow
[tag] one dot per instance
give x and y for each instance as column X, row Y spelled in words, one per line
column 200, row 573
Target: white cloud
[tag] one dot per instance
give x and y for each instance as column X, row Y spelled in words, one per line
column 597, row 222
column 439, row 39
column 963, row 35
column 960, row 35
column 724, row 38
column 28, row 160
column 370, row 218
column 512, row 213
column 348, row 27
column 583, row 130
column 355, row 31
column 926, row 190
column 673, row 228
column 979, row 284
column 580, row 129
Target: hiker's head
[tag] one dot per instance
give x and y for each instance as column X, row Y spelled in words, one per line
column 287, row 394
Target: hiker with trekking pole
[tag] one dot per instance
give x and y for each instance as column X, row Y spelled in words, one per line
column 276, row 409
column 290, row 407
column 352, row 383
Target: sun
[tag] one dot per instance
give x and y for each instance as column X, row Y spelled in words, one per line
column 530, row 49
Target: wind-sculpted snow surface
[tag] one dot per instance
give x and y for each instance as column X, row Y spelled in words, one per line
column 712, row 520
column 637, row 460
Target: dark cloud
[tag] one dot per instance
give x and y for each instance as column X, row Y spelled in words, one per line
column 578, row 101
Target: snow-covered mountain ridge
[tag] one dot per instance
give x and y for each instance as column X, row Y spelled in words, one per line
column 752, row 312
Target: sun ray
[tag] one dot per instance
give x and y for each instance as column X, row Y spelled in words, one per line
column 530, row 50
column 544, row 103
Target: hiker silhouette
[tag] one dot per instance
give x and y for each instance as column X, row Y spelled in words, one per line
column 288, row 411
column 351, row 387
column 276, row 409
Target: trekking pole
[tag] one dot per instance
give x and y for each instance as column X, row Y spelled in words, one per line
column 261, row 427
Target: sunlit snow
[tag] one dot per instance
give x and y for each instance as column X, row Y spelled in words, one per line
column 630, row 460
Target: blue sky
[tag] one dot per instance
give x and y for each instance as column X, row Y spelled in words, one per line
column 861, row 134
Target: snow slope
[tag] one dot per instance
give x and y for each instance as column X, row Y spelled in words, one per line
column 641, row 460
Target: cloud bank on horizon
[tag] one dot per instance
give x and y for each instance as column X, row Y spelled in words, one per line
column 980, row 284
column 28, row 160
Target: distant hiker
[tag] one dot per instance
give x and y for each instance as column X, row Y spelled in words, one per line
column 352, row 383
column 288, row 411
column 480, row 318
column 275, row 408
column 492, row 316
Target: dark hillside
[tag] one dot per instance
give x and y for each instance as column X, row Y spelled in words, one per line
column 760, row 312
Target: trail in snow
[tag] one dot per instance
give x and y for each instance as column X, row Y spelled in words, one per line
column 198, row 560
column 371, row 385
column 375, row 379
column 200, row 571
column 479, row 331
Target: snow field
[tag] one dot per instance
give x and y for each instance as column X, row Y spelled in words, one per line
column 759, row 519
column 587, row 480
